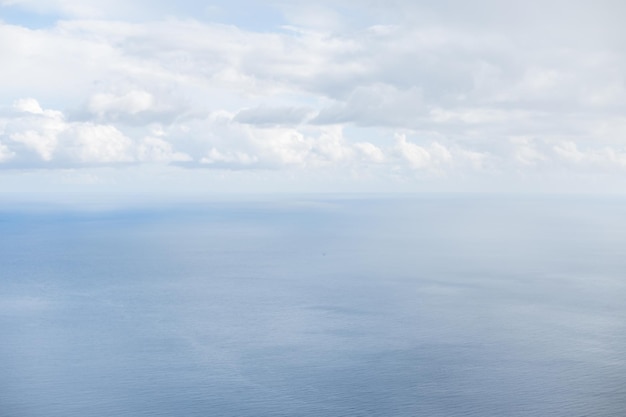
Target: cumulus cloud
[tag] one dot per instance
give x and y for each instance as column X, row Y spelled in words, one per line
column 605, row 158
column 152, row 149
column 5, row 153
column 35, row 129
column 280, row 146
column 417, row 156
column 28, row 105
column 434, row 157
column 46, row 136
column 526, row 152
column 405, row 87
column 92, row 143
column 369, row 152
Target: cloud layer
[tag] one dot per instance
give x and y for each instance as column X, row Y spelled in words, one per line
column 405, row 91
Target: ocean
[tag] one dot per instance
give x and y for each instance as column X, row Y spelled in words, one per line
column 426, row 305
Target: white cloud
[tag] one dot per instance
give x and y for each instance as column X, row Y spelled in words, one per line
column 376, row 105
column 59, row 142
column 526, row 152
column 28, row 105
column 158, row 150
column 36, row 129
column 273, row 115
column 469, row 86
column 221, row 139
column 369, row 152
column 44, row 144
column 477, row 161
column 132, row 102
column 5, row 153
column 234, row 159
column 603, row 159
column 417, row 156
column 420, row 157
column 91, row 143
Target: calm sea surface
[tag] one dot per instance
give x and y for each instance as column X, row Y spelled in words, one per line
column 426, row 306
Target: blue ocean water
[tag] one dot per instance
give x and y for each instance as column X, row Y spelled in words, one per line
column 312, row 306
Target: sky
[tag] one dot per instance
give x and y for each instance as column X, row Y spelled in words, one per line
column 239, row 96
